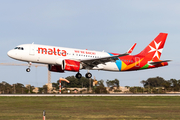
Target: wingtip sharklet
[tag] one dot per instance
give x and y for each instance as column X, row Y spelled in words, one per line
column 131, row 49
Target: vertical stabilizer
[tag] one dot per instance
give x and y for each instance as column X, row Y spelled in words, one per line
column 155, row 48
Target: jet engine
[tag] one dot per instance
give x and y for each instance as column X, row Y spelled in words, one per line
column 55, row 68
column 71, row 65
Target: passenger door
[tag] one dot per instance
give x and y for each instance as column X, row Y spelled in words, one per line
column 32, row 50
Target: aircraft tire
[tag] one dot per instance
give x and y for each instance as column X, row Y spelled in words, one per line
column 78, row 75
column 88, row 75
column 28, row 70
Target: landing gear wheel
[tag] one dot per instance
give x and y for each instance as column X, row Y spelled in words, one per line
column 88, row 75
column 78, row 75
column 28, row 70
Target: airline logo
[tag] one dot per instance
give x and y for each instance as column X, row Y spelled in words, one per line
column 157, row 49
column 50, row 51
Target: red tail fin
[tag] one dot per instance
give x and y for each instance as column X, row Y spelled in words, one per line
column 155, row 48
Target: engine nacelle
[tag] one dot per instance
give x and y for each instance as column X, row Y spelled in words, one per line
column 55, row 68
column 71, row 65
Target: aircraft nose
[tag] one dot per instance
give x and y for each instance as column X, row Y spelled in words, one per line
column 10, row 53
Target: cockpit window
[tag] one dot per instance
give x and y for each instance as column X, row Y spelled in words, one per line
column 19, row 48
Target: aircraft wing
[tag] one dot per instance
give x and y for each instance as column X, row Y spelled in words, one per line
column 90, row 63
column 157, row 62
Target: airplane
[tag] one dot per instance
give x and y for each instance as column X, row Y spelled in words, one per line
column 61, row 59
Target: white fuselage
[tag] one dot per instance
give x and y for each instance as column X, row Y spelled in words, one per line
column 53, row 55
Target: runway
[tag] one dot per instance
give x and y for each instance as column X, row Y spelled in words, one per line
column 68, row 95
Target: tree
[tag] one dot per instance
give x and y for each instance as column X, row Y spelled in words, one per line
column 40, row 90
column 113, row 83
column 175, row 84
column 55, row 85
column 136, row 89
column 167, row 84
column 171, row 84
column 109, row 83
column 6, row 88
column 143, row 82
column 45, row 88
column 153, row 82
column 20, row 88
column 76, row 83
column 127, row 86
column 100, row 87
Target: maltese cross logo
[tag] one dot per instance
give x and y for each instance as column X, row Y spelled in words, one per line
column 156, row 50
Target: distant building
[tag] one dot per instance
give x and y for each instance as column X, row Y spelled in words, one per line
column 36, row 90
column 49, row 87
column 28, row 85
column 75, row 90
column 119, row 90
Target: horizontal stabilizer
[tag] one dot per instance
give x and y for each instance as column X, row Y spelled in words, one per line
column 158, row 62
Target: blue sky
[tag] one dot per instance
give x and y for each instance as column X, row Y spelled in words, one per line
column 110, row 25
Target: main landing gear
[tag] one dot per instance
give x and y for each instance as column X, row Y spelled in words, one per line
column 88, row 75
column 28, row 69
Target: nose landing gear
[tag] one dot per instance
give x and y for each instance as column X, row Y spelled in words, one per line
column 28, row 69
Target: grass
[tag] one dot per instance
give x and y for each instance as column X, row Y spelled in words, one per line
column 89, row 108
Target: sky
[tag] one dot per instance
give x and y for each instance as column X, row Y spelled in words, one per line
column 109, row 25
